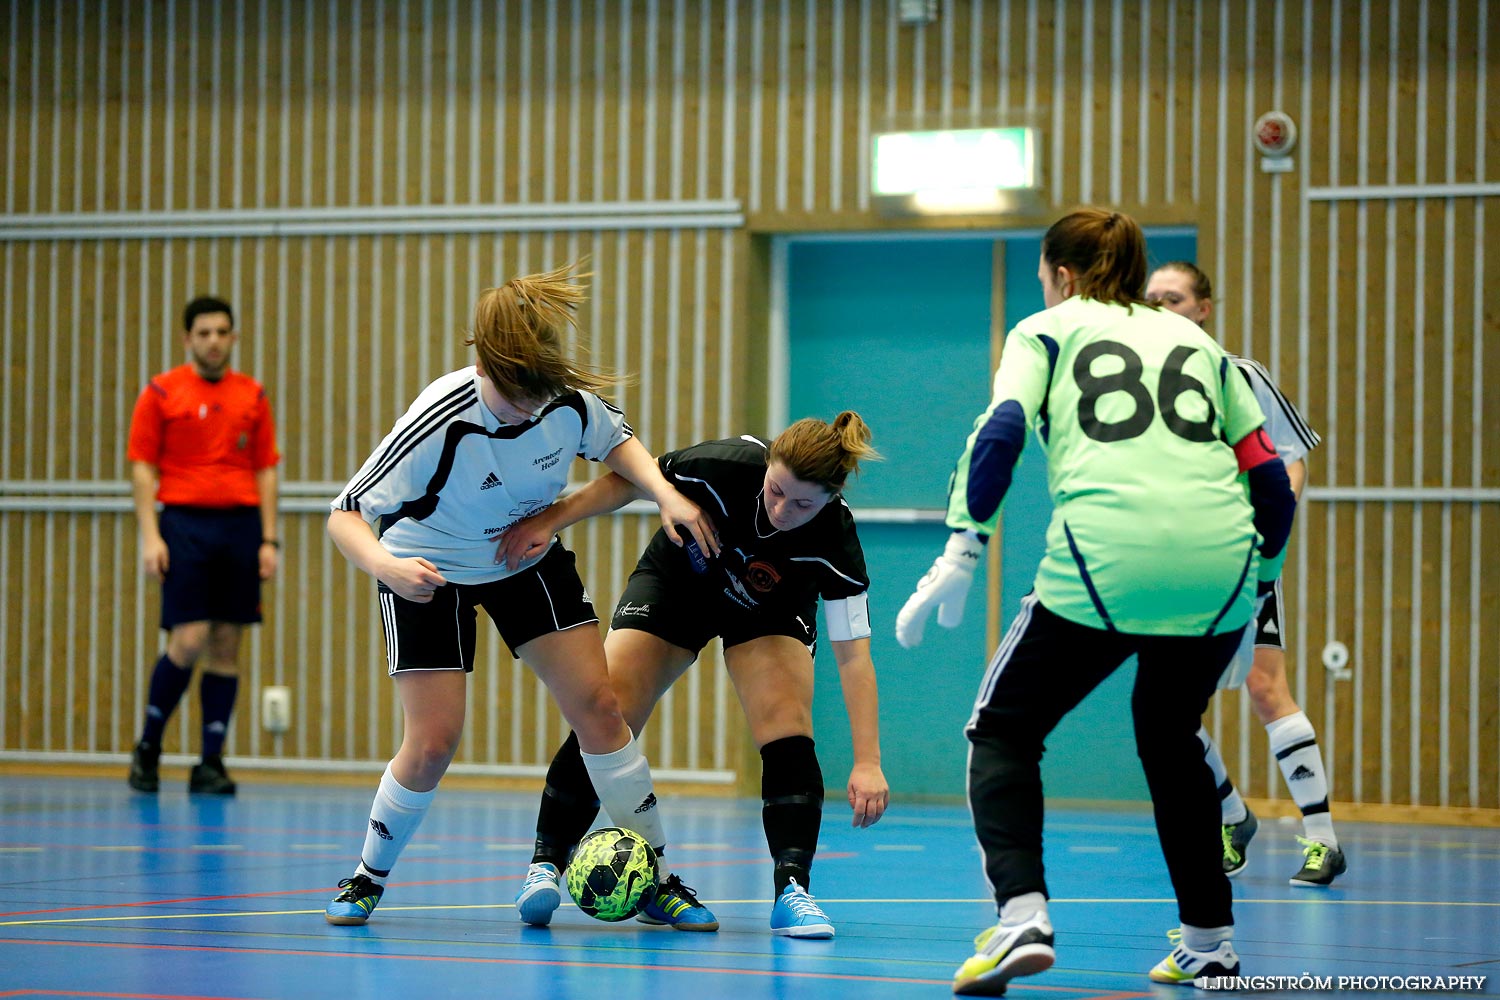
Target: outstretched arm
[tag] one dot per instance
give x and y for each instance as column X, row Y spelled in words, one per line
column 632, row 461
column 869, row 794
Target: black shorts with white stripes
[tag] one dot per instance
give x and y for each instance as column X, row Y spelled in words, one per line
column 548, row 597
column 688, row 611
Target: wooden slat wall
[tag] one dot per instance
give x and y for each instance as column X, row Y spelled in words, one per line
column 1377, row 315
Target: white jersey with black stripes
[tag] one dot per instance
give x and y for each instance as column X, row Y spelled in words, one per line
column 1290, row 433
column 450, row 476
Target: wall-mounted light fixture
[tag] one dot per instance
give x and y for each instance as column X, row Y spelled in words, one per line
column 956, row 171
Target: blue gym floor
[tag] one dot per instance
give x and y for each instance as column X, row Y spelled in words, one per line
column 108, row 893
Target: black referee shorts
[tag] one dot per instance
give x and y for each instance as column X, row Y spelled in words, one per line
column 439, row 635
column 213, row 565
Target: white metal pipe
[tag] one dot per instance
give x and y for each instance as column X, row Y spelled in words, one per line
column 373, row 213
column 229, row 228
column 1392, row 192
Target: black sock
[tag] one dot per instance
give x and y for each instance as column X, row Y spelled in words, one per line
column 569, row 805
column 168, row 682
column 792, row 813
column 216, row 693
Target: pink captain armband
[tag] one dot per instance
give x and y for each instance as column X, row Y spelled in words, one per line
column 1254, row 449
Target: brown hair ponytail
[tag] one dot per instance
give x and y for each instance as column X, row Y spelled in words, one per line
column 825, row 453
column 1106, row 251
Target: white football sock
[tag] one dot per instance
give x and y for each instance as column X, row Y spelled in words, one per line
column 1231, row 806
column 623, row 780
column 1296, row 748
column 394, row 817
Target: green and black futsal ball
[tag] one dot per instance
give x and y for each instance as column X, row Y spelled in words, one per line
column 613, row 874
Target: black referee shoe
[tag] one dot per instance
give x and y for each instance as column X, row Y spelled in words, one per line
column 210, row 778
column 143, row 774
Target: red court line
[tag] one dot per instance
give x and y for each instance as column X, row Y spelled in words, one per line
column 246, row 895
column 121, row 996
column 324, row 889
column 549, row 963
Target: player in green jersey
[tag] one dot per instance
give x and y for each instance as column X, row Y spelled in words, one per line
column 1153, row 550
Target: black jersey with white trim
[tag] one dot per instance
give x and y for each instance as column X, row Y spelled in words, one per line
column 760, row 567
column 1290, row 433
column 450, row 477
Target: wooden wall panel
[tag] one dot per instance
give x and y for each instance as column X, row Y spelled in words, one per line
column 1378, row 315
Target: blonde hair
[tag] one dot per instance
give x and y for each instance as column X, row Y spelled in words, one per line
column 824, row 453
column 517, row 333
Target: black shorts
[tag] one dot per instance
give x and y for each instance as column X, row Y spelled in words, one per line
column 439, row 635
column 213, row 565
column 1270, row 629
column 689, row 611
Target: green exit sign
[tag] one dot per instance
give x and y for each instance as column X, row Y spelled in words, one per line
column 955, row 170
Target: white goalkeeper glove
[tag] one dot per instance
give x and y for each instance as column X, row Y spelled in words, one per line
column 945, row 587
column 1244, row 658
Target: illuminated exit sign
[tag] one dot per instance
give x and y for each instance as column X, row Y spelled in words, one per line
column 956, row 171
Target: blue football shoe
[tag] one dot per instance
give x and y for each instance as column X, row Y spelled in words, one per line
column 676, row 906
column 797, row 915
column 540, row 895
column 353, row 906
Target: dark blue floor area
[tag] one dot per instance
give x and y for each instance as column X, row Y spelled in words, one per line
column 107, row 893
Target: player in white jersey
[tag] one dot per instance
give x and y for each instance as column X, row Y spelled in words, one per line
column 481, row 449
column 1182, row 287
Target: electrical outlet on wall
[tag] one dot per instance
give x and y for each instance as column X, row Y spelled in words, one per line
column 276, row 709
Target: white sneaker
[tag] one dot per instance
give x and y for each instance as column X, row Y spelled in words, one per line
column 1004, row 952
column 1184, row 965
column 540, row 895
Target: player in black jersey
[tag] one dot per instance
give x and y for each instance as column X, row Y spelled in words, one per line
column 786, row 538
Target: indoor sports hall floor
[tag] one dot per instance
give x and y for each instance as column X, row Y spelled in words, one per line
column 107, row 893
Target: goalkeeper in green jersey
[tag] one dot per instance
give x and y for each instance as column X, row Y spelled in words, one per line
column 1154, row 550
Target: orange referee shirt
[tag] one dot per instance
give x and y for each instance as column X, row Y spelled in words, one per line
column 206, row 439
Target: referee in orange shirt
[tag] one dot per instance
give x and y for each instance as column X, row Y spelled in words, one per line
column 203, row 445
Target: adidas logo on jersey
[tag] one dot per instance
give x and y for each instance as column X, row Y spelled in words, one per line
column 647, row 805
column 490, row 482
column 1302, row 773
column 1270, row 628
column 380, row 830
